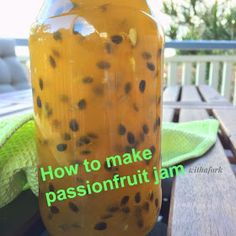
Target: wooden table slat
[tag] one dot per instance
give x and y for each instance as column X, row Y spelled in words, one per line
column 226, row 118
column 189, row 93
column 213, row 95
column 203, row 204
column 170, row 94
column 17, row 94
column 197, row 105
column 14, row 109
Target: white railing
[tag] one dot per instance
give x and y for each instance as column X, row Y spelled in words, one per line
column 219, row 71
column 216, row 71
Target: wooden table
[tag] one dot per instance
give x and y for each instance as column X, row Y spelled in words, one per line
column 200, row 204
column 203, row 204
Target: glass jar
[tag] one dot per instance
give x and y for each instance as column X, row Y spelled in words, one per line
column 97, row 85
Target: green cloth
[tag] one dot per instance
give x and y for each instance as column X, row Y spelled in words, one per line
column 18, row 170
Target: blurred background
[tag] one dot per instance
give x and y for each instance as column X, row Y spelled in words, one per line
column 210, row 23
column 181, row 19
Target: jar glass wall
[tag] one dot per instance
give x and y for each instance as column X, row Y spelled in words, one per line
column 97, row 85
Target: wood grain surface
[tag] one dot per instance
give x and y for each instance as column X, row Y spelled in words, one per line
column 203, row 204
column 226, row 118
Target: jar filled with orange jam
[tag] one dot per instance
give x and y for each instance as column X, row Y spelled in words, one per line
column 97, row 84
